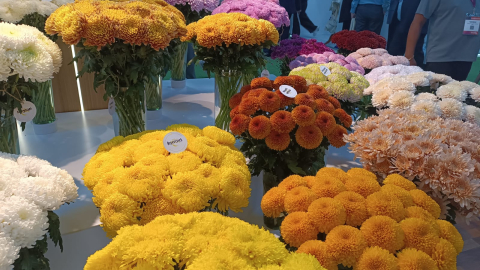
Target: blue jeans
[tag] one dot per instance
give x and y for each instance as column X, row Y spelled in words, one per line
column 369, row 17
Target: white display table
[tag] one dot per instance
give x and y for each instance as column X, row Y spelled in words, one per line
column 78, row 136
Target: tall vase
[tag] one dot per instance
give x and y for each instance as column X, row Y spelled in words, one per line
column 179, row 66
column 44, row 120
column 9, row 134
column 248, row 77
column 153, row 92
column 227, row 84
column 130, row 109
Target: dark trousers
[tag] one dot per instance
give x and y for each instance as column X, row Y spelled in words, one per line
column 285, row 30
column 397, row 42
column 346, row 24
column 369, row 17
column 304, row 20
column 458, row 70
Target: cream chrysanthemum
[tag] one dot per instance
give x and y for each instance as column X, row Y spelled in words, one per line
column 426, row 96
column 451, row 108
column 475, row 94
column 401, row 100
column 427, row 106
column 472, row 114
column 380, row 98
column 452, row 91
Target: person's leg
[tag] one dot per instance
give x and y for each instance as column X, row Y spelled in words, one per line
column 190, row 56
column 461, row 70
column 419, row 53
column 346, row 24
column 305, row 20
column 394, row 42
column 296, row 25
column 361, row 18
column 376, row 19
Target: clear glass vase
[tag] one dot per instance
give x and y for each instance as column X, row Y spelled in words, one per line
column 9, row 134
column 179, row 66
column 42, row 97
column 248, row 77
column 153, row 90
column 130, row 109
column 227, row 84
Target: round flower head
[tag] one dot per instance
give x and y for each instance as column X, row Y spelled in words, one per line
column 325, row 122
column 317, row 91
column 333, row 172
column 419, row 234
column 380, row 98
column 427, row 106
column 277, row 141
column 400, row 193
column 418, row 212
column 362, row 185
column 318, row 249
column 450, row 233
column 401, row 99
column 300, row 261
column 472, row 114
column 259, row 127
column 475, row 94
column 299, row 83
column 328, row 187
column 239, row 124
column 297, row 228
column 355, row 207
column 8, row 253
column 282, row 122
column 413, row 259
column 245, row 89
column 305, row 99
column 426, row 96
column 324, row 105
column 452, row 91
column 445, row 255
column 326, row 214
column 334, row 102
column 399, row 181
column 420, row 198
column 273, row 202
column 269, row 102
column 360, row 172
column 384, row 232
column 311, row 180
column 256, row 93
column 292, row 182
column 379, row 204
column 284, row 100
column 234, row 112
column 376, row 258
column 283, row 80
column 299, row 199
column 309, row 137
column 248, row 106
column 336, row 136
column 235, row 100
column 303, row 115
column 346, row 244
column 261, row 82
column 451, row 108
column 344, row 117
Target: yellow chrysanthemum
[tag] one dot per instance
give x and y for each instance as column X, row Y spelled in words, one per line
column 299, row 199
column 328, row 187
column 346, row 244
column 186, row 128
column 421, row 199
column 219, row 135
column 336, row 173
column 356, row 172
column 450, row 233
column 362, row 185
column 398, row 192
column 297, row 228
column 319, row 250
column 301, row 261
column 355, row 207
column 384, row 232
column 399, row 181
column 379, row 204
column 326, row 214
column 273, row 202
column 419, row 234
column 413, row 259
column 292, row 181
column 376, row 258
column 418, row 212
column 311, row 180
column 118, row 211
column 445, row 255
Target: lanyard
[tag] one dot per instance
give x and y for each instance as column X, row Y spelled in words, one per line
column 474, row 3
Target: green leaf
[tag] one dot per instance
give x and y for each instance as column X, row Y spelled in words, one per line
column 33, row 258
column 54, row 229
column 295, row 169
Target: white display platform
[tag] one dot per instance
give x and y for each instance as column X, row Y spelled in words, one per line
column 78, row 136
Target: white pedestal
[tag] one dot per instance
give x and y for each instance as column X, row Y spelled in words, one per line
column 154, row 115
column 178, row 84
column 44, row 129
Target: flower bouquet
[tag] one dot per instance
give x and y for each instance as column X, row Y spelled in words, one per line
column 230, row 44
column 382, row 72
column 122, row 44
column 289, row 49
column 347, row 86
column 193, row 10
column 198, row 241
column 135, row 179
column 374, row 58
column 27, row 57
column 323, row 58
column 440, row 155
column 30, row 190
column 349, row 219
column 349, row 41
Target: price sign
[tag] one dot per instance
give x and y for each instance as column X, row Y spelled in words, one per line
column 288, row 91
column 27, row 113
column 325, row 70
column 175, row 142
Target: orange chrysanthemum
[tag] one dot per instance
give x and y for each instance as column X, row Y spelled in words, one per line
column 384, row 232
column 248, row 106
column 401, row 194
column 324, row 105
column 284, row 100
column 326, row 214
column 379, row 204
column 245, row 89
column 399, row 181
column 413, row 259
column 309, row 137
column 239, row 124
column 311, row 180
column 272, row 202
column 303, row 115
column 336, row 136
column 299, row 199
column 282, row 122
column 418, row 212
column 445, row 255
column 283, row 80
column 346, row 244
column 292, row 182
column 334, row 102
column 261, row 82
column 277, row 141
column 355, row 207
column 299, row 83
column 325, row 122
column 376, row 258
column 421, row 199
column 362, row 185
column 235, row 100
column 317, row 91
column 259, row 127
column 328, row 187
column 360, row 172
column 344, row 117
column 256, row 93
column 234, row 112
column 297, row 229
column 333, row 172
column 450, row 233
column 319, row 250
column 269, row 102
column 419, row 234
column 305, row 99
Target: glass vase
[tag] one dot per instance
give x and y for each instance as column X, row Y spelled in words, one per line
column 9, row 134
column 130, row 109
column 248, row 77
column 43, row 100
column 227, row 84
column 179, row 66
column 153, row 90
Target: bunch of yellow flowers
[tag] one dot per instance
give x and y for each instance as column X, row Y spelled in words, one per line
column 198, row 241
column 231, row 28
column 135, row 179
column 148, row 22
column 393, row 226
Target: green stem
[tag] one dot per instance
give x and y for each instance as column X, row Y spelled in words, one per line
column 43, row 99
column 153, row 90
column 130, row 113
column 227, row 84
column 179, row 65
column 8, row 133
column 248, row 77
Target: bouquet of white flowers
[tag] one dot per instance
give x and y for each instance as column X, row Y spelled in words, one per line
column 30, row 189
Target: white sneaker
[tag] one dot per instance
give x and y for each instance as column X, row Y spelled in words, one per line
column 316, row 31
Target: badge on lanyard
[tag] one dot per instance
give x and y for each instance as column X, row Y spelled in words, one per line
column 472, row 22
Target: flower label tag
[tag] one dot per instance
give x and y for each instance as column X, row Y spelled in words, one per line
column 265, row 74
column 28, row 112
column 175, row 142
column 111, row 106
column 288, row 91
column 325, row 70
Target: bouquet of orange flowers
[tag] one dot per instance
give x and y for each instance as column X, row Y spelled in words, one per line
column 230, row 44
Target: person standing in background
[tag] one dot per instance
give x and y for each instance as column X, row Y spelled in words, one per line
column 304, row 20
column 453, row 40
column 369, row 14
column 400, row 17
column 345, row 16
column 291, row 6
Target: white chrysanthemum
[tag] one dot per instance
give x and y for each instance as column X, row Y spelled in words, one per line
column 53, row 49
column 441, row 78
column 452, row 91
column 399, row 83
column 62, row 2
column 8, row 252
column 472, row 114
column 13, row 11
column 5, row 70
column 401, row 99
column 451, row 108
column 475, row 94
column 31, row 164
column 22, row 221
column 427, row 106
column 62, row 179
column 467, row 85
column 419, row 78
column 462, row 85
column 45, row 7
column 380, row 98
column 49, row 197
column 426, row 96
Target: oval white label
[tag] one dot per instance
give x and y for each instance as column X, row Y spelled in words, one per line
column 325, row 70
column 288, row 91
column 28, row 112
column 265, row 73
column 175, row 142
column 111, row 106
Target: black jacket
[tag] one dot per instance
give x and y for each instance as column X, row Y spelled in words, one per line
column 345, row 11
column 291, row 5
